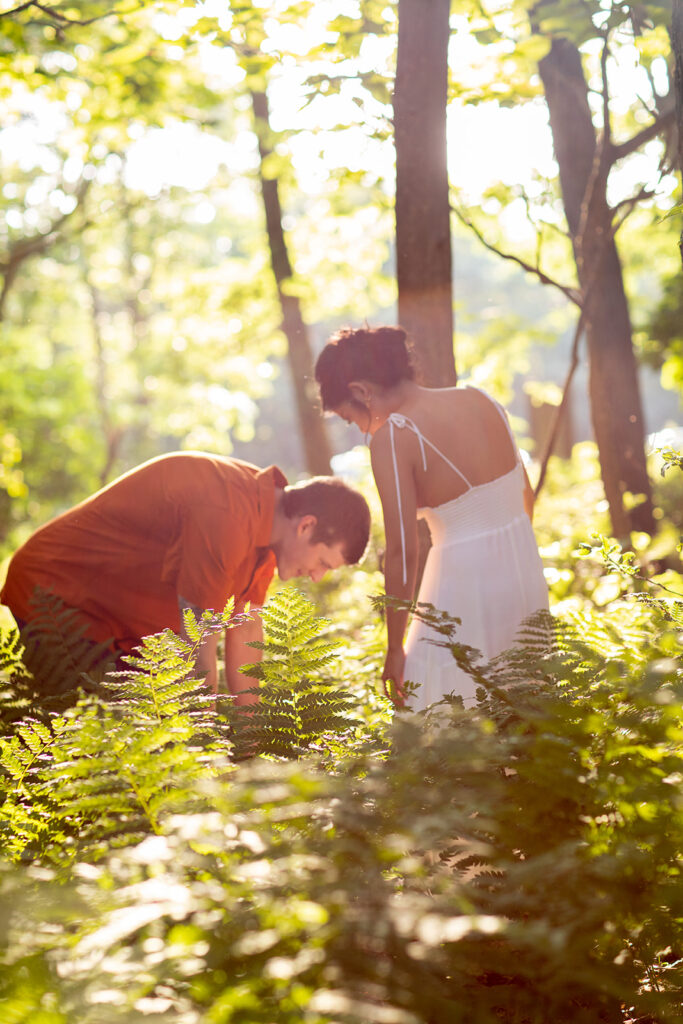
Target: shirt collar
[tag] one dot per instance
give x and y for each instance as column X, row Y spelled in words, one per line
column 269, row 480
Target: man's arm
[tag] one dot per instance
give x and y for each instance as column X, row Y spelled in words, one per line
column 237, row 653
column 205, row 661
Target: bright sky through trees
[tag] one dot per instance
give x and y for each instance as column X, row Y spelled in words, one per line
column 487, row 143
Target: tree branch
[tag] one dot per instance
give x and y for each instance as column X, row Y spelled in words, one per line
column 656, row 96
column 17, row 10
column 606, row 121
column 629, row 205
column 61, row 20
column 573, row 363
column 584, row 303
column 676, row 36
column 24, row 248
column 570, row 293
column 36, row 243
column 557, row 421
column 663, row 121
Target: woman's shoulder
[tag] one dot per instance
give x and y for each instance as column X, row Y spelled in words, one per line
column 462, row 388
column 458, row 394
column 385, row 440
column 473, row 395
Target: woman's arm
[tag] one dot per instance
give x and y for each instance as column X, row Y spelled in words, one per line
column 529, row 496
column 399, row 507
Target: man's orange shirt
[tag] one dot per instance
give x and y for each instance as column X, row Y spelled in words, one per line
column 187, row 524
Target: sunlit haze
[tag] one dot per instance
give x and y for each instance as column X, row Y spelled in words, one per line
column 487, row 144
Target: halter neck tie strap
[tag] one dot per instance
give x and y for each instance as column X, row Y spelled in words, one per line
column 395, row 419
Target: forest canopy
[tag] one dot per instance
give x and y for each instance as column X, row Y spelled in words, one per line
column 147, row 279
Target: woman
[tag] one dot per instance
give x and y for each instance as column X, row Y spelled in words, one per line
column 448, row 455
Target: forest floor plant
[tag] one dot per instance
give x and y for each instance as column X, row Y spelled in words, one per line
column 519, row 862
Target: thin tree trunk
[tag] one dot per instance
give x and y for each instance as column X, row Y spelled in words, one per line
column 616, row 409
column 112, row 434
column 136, row 431
column 677, row 47
column 423, row 237
column 314, row 438
column 9, row 270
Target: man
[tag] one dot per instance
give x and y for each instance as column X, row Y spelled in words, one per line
column 188, row 530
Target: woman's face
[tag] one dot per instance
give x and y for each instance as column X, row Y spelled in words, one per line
column 354, row 412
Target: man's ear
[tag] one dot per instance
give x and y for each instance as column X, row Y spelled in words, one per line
column 306, row 525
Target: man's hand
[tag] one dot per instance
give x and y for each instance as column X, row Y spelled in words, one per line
column 206, row 664
column 237, row 653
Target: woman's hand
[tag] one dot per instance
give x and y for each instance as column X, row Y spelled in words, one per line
column 394, row 664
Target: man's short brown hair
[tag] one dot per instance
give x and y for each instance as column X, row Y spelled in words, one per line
column 342, row 513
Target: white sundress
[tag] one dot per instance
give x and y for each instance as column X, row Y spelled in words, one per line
column 483, row 568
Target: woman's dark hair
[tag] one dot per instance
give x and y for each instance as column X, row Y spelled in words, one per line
column 378, row 354
column 342, row 513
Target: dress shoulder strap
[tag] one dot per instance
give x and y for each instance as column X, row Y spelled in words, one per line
column 394, row 420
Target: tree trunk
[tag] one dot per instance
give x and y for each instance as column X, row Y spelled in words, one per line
column 677, row 47
column 112, row 433
column 423, row 237
column 616, row 409
column 314, row 438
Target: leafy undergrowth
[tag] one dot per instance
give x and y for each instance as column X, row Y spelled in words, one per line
column 314, row 861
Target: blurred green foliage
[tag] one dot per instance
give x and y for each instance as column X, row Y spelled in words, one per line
column 517, row 862
column 138, row 308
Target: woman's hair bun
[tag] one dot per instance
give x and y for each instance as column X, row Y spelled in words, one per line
column 377, row 354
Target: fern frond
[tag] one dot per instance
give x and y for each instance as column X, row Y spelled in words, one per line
column 57, row 653
column 191, row 625
column 11, row 649
column 102, row 774
column 297, row 707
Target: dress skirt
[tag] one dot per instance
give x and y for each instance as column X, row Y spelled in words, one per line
column 483, row 568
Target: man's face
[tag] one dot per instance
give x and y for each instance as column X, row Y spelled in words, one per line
column 298, row 555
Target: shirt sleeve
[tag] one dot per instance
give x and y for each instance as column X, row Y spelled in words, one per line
column 258, row 587
column 208, row 560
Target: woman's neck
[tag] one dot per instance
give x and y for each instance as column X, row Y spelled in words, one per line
column 396, row 399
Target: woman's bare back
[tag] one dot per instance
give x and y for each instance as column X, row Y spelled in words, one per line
column 468, row 428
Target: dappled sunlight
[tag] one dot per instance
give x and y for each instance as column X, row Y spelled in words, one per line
column 215, row 804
